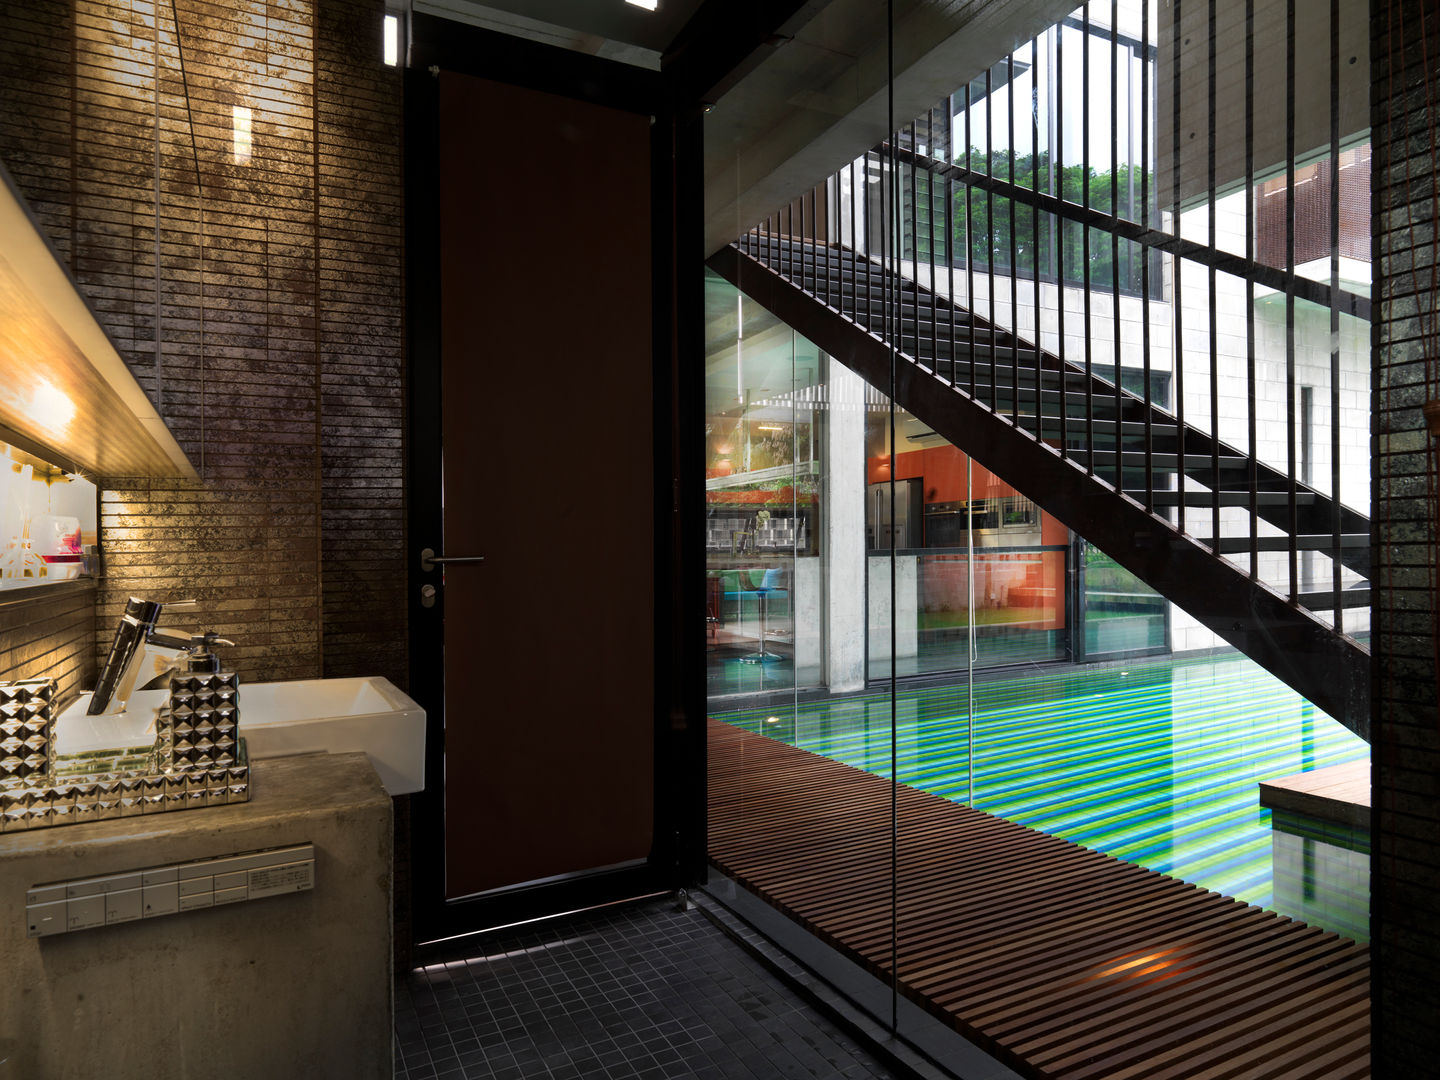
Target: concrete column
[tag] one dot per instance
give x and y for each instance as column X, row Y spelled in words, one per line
column 845, row 531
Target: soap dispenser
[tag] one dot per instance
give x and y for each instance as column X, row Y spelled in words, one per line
column 202, row 730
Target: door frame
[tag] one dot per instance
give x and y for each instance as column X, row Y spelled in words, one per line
column 678, row 855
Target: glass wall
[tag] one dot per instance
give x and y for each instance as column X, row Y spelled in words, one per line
column 1175, row 311
column 764, row 528
column 961, row 541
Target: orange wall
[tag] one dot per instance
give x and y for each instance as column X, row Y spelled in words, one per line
column 943, row 470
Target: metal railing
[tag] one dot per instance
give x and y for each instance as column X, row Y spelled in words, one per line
column 914, row 238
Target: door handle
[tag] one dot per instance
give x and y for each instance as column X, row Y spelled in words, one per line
column 429, row 560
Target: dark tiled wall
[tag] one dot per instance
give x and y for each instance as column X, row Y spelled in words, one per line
column 1406, row 748
column 279, row 366
column 361, row 243
column 50, row 635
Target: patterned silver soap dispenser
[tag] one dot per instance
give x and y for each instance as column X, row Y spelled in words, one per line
column 204, row 721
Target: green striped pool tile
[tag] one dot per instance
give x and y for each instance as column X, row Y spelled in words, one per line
column 1157, row 763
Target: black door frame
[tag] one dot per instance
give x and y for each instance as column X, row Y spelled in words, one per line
column 677, row 857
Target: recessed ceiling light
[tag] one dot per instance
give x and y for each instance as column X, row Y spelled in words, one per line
column 648, row 5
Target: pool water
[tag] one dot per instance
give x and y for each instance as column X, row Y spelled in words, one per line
column 1156, row 763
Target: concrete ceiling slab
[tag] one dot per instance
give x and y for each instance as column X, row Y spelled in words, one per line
column 613, row 29
column 822, row 99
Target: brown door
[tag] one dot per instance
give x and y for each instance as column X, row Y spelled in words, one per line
column 548, row 452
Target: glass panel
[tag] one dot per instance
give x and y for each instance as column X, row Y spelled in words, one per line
column 1232, row 400
column 764, row 439
column 1122, row 614
column 1021, row 559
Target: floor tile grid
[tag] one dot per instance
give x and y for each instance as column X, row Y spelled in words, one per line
column 635, row 992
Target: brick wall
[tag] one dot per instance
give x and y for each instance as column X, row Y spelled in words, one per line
column 50, row 636
column 279, row 366
column 1406, row 750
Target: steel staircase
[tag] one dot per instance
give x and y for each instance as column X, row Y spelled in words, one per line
column 1157, row 495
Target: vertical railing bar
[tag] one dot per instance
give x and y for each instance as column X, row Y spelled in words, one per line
column 832, row 232
column 1293, row 515
column 970, row 242
column 1085, row 240
column 1057, row 154
column 1335, row 564
column 949, row 224
column 1177, row 263
column 788, row 242
column 797, row 248
column 990, row 231
column 774, row 243
column 815, row 245
column 835, row 240
column 1214, row 317
column 1251, row 389
column 811, row 246
column 915, row 245
column 1145, row 216
column 854, row 248
column 1035, row 231
column 1115, row 237
column 930, row 242
column 1014, row 247
column 797, row 244
column 820, row 199
column 781, row 263
column 857, row 242
column 869, row 249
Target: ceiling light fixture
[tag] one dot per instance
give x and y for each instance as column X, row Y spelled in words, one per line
column 648, row 5
column 392, row 40
column 240, row 126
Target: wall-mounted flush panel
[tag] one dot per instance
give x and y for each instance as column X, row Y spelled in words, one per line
column 60, row 907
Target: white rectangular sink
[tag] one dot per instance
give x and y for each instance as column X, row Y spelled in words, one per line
column 338, row 715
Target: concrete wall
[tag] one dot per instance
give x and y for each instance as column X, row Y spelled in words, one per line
column 283, row 986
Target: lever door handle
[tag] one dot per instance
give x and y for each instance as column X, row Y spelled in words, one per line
column 429, row 560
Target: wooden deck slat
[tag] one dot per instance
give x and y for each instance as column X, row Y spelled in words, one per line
column 1024, row 942
column 1170, row 994
column 1273, row 1011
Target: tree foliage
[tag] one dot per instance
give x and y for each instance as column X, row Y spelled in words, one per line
column 1010, row 237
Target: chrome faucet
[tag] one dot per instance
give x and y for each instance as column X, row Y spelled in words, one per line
column 133, row 638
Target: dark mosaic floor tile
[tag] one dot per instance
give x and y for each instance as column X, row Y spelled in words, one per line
column 645, row 991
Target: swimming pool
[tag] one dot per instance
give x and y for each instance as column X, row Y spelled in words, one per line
column 1156, row 763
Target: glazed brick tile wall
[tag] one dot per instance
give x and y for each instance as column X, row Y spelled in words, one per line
column 279, row 365
column 360, row 330
column 49, row 636
column 1405, row 899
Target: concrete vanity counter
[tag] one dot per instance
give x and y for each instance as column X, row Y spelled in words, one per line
column 285, row 985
